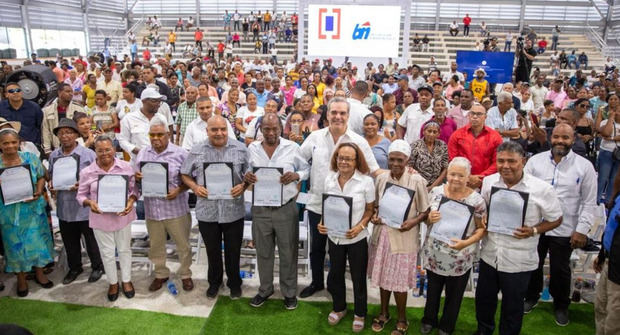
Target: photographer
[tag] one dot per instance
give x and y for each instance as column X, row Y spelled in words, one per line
column 526, row 55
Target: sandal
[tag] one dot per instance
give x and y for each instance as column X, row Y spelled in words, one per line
column 334, row 317
column 358, row 324
column 378, row 324
column 400, row 330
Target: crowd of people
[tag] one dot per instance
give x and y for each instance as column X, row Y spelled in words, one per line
column 333, row 131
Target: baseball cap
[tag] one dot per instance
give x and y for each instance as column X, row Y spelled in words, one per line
column 425, row 88
column 151, row 93
column 403, row 77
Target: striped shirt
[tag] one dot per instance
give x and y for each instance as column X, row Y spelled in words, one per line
column 225, row 210
column 161, row 208
column 185, row 115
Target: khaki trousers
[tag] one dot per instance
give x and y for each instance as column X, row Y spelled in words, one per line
column 607, row 306
column 178, row 229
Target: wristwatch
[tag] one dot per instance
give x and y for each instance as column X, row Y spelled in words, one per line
column 534, row 231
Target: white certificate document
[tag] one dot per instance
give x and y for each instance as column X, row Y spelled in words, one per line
column 268, row 188
column 455, row 218
column 506, row 210
column 218, row 180
column 154, row 179
column 337, row 211
column 112, row 193
column 16, row 184
column 394, row 205
column 65, row 172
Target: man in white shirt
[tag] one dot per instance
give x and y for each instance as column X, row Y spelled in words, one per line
column 539, row 92
column 410, row 123
column 574, row 180
column 196, row 131
column 319, row 147
column 276, row 224
column 503, row 118
column 507, row 261
column 453, row 72
column 358, row 110
column 135, row 127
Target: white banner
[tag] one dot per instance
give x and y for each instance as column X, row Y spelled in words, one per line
column 355, row 31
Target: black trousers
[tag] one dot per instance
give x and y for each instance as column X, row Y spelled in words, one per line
column 317, row 250
column 71, row 233
column 466, row 31
column 232, row 233
column 357, row 254
column 455, row 287
column 513, row 287
column 199, row 45
column 560, row 273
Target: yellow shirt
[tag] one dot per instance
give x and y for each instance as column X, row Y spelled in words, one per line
column 479, row 89
column 294, row 75
column 319, row 90
column 90, row 95
column 172, row 37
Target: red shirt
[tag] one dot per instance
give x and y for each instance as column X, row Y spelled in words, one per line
column 466, row 20
column 481, row 151
column 542, row 44
column 146, row 54
column 198, row 35
column 220, row 47
column 294, row 19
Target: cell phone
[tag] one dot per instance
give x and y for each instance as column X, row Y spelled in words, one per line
column 522, row 112
column 535, row 119
column 295, row 129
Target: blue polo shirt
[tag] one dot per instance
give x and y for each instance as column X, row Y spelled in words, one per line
column 29, row 114
column 261, row 99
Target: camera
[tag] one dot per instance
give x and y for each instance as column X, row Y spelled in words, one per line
column 522, row 112
column 520, row 42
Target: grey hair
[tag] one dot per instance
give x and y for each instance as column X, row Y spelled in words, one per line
column 336, row 100
column 511, row 147
column 508, row 84
column 462, row 162
column 103, row 138
column 7, row 131
column 503, row 96
column 157, row 121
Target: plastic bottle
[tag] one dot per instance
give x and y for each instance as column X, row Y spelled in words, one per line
column 245, row 274
column 425, row 287
column 422, row 284
column 416, row 292
column 172, row 288
column 545, row 293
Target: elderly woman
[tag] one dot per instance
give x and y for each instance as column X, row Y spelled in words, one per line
column 447, row 126
column 112, row 230
column 349, row 178
column 449, row 265
column 76, row 84
column 429, row 155
column 25, row 234
column 378, row 143
column 393, row 252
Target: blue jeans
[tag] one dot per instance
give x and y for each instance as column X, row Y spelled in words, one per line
column 607, row 169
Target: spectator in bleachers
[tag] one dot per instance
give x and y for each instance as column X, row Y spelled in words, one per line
column 526, row 58
column 453, row 72
column 267, row 20
column 508, row 41
column 417, row 43
column 172, row 38
column 572, row 60
column 255, row 31
column 555, row 36
column 484, row 30
column 236, row 17
column 190, row 23
column 563, row 59
column 539, row 91
column 583, row 60
column 454, row 28
column 542, row 45
column 236, row 39
column 425, row 43
column 179, row 24
column 198, row 36
column 466, row 23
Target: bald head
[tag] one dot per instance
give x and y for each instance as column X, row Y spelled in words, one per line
column 562, row 140
column 190, row 94
column 563, row 128
column 217, row 131
column 271, row 127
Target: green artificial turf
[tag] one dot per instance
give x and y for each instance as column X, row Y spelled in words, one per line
column 43, row 318
column 238, row 317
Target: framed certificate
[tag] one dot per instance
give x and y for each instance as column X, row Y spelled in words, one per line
column 268, row 190
column 337, row 214
column 154, row 179
column 112, row 192
column 395, row 204
column 16, row 184
column 455, row 219
column 218, row 180
column 507, row 209
column 65, row 172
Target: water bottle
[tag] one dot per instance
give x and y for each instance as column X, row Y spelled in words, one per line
column 425, row 287
column 422, row 284
column 416, row 292
column 245, row 274
column 172, row 288
column 545, row 293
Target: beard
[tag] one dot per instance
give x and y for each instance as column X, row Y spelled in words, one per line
column 560, row 150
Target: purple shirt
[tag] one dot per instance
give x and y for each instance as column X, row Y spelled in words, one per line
column 88, row 190
column 445, row 129
column 160, row 208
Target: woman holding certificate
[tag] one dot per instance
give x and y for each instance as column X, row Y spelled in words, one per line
column 456, row 224
column 402, row 201
column 348, row 204
column 25, row 233
column 108, row 187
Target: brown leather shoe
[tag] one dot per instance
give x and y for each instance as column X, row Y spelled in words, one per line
column 157, row 284
column 188, row 284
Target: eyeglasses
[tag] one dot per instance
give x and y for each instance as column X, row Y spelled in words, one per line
column 344, row 159
column 157, row 135
column 14, row 90
column 477, row 114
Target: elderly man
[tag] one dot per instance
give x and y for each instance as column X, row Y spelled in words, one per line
column 169, row 215
column 186, row 113
column 278, row 224
column 459, row 112
column 134, row 133
column 478, row 143
column 503, row 118
column 507, row 261
column 196, row 131
column 319, row 147
column 510, row 88
column 222, row 217
column 410, row 123
column 403, row 86
column 72, row 217
column 62, row 107
column 574, row 180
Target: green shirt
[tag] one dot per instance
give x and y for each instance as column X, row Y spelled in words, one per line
column 185, row 115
